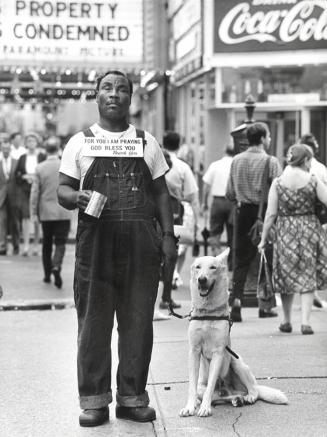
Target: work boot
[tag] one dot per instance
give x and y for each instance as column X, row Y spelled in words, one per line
column 94, row 417
column 137, row 414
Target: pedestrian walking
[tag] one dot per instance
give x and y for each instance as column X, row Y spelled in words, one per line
column 245, row 187
column 221, row 209
column 183, row 189
column 9, row 221
column 319, row 170
column 44, row 206
column 25, row 172
column 300, row 246
column 118, row 255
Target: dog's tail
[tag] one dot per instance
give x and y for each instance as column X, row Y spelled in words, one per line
column 271, row 395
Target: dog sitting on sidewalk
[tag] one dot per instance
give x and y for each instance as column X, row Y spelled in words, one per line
column 216, row 373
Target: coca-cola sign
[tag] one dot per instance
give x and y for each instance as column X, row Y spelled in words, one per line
column 260, row 25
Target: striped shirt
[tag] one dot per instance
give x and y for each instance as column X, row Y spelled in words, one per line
column 245, row 180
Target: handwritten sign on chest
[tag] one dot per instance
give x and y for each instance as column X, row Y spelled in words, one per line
column 113, row 147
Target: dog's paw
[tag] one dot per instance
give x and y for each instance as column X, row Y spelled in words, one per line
column 204, row 410
column 189, row 410
column 251, row 397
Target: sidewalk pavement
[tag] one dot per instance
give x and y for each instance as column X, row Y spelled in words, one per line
column 38, row 367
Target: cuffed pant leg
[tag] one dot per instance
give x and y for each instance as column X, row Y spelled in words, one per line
column 94, row 301
column 135, row 308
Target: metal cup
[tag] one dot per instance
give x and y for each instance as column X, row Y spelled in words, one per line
column 96, row 204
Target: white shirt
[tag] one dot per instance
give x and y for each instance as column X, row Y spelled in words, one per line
column 318, row 169
column 6, row 166
column 31, row 163
column 75, row 163
column 180, row 180
column 217, row 176
column 17, row 153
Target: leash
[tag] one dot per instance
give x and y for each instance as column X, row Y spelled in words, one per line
column 228, row 318
column 173, row 313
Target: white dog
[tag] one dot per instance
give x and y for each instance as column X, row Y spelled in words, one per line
column 216, row 373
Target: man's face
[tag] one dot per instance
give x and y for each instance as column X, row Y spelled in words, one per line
column 113, row 97
column 17, row 140
column 5, row 148
column 31, row 143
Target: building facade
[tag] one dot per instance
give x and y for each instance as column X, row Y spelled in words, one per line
column 51, row 52
column 224, row 50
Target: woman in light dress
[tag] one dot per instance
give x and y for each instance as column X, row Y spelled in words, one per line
column 300, row 246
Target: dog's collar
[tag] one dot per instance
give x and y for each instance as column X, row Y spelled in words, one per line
column 209, row 318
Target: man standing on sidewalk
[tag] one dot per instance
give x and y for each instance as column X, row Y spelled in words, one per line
column 118, row 255
column 221, row 209
column 9, row 219
column 54, row 218
column 244, row 187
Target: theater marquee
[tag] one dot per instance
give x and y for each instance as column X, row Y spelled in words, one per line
column 269, row 25
column 72, row 31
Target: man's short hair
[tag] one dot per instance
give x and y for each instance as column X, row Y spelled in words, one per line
column 4, row 137
column 52, row 144
column 117, row 72
column 310, row 140
column 14, row 135
column 171, row 140
column 255, row 132
column 230, row 151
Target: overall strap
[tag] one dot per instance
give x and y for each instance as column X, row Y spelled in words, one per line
column 88, row 133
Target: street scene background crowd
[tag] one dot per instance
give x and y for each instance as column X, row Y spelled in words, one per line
column 135, row 137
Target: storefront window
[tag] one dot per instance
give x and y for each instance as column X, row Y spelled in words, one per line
column 268, row 84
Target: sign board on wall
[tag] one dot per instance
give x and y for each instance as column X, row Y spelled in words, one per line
column 90, row 31
column 269, row 25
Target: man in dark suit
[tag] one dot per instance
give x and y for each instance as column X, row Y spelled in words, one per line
column 9, row 220
column 54, row 218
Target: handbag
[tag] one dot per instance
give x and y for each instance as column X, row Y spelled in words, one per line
column 265, row 289
column 256, row 229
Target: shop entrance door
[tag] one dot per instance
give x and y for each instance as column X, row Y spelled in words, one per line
column 285, row 130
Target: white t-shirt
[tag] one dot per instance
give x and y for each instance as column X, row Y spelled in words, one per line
column 75, row 164
column 180, row 180
column 17, row 153
column 217, row 176
column 31, row 163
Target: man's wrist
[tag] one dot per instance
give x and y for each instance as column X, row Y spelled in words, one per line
column 168, row 234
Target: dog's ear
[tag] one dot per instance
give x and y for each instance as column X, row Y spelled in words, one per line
column 222, row 257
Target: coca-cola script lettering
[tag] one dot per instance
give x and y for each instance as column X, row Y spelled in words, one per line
column 276, row 23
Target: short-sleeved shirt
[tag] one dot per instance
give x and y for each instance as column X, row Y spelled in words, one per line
column 75, row 163
column 217, row 176
column 245, row 180
column 180, row 180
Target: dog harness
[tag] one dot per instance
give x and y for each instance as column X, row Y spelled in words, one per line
column 189, row 315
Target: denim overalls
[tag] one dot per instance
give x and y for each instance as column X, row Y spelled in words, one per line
column 117, row 271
